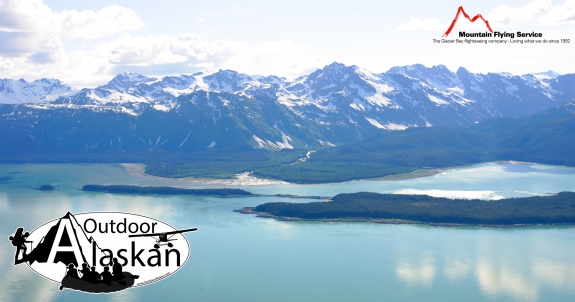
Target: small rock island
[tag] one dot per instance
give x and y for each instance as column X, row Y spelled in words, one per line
column 47, row 188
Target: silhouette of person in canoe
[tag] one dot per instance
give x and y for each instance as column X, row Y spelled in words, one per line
column 72, row 272
column 106, row 276
column 117, row 270
column 85, row 272
column 19, row 241
column 90, row 274
column 94, row 275
column 95, row 282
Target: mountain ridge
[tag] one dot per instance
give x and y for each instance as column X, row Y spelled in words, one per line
column 334, row 105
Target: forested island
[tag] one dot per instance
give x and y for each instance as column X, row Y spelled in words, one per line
column 220, row 192
column 47, row 188
column 396, row 208
column 125, row 189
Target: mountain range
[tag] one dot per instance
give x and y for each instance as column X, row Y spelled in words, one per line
column 335, row 105
column 42, row 90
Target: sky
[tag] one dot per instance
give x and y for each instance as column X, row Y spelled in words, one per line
column 85, row 43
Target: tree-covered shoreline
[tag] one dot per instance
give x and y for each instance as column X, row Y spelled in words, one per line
column 124, row 189
column 554, row 209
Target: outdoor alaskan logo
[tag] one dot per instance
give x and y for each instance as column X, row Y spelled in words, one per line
column 102, row 252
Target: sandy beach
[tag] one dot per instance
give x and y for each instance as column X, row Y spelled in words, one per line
column 242, row 179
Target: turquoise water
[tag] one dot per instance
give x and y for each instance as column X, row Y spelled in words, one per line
column 236, row 257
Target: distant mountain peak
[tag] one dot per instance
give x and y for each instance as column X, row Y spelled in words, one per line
column 462, row 69
column 132, row 76
column 418, row 68
column 125, row 80
column 546, row 74
column 335, row 65
column 440, row 67
column 334, row 69
column 41, row 90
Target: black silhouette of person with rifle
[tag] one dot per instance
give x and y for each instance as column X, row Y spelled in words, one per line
column 19, row 241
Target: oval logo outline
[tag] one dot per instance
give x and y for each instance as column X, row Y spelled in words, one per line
column 97, row 235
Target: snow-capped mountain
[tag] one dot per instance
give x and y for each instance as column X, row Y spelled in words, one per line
column 126, row 80
column 42, row 90
column 333, row 105
column 405, row 96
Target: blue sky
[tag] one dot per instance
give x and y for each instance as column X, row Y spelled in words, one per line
column 85, row 43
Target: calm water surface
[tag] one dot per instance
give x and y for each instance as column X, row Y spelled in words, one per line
column 239, row 257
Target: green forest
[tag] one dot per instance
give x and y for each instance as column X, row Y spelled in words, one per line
column 559, row 208
column 123, row 189
column 547, row 138
column 549, row 141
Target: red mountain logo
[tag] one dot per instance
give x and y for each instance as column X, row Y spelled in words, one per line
column 461, row 10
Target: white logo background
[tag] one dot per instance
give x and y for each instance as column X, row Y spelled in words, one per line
column 110, row 231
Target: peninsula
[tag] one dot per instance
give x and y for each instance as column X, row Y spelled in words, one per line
column 397, row 208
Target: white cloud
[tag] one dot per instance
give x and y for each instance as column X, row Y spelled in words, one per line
column 29, row 27
column 505, row 15
column 207, row 65
column 25, row 15
column 193, row 46
column 563, row 13
column 283, row 58
column 139, row 50
column 185, row 52
column 90, row 24
column 32, row 39
column 541, row 11
column 418, row 24
column 6, row 64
